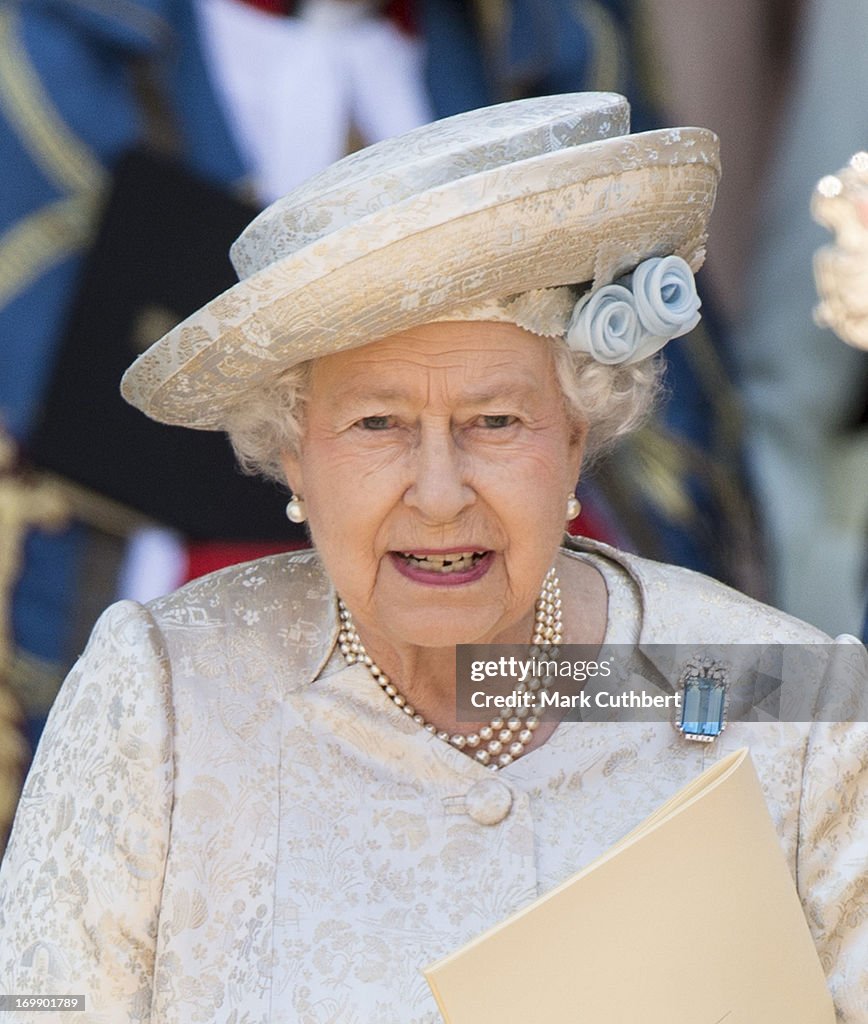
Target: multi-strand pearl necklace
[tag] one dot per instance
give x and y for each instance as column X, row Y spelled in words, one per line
column 504, row 739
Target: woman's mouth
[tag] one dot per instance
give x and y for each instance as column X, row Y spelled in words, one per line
column 446, row 567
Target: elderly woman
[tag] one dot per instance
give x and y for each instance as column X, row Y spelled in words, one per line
column 254, row 800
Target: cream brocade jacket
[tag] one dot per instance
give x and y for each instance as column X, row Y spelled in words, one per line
column 224, row 822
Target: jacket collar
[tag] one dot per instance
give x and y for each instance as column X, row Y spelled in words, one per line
column 668, row 643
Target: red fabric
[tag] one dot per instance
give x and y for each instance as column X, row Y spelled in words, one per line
column 399, row 11
column 590, row 524
column 272, row 6
column 212, row 555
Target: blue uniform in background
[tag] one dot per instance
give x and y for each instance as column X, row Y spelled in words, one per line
column 70, row 107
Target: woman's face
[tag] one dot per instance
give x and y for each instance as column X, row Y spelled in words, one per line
column 435, row 467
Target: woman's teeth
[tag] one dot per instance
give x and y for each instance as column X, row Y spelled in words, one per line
column 456, row 561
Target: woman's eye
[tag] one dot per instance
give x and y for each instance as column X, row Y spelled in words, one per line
column 376, row 422
column 498, row 421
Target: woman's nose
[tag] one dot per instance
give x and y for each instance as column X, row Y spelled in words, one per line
column 439, row 489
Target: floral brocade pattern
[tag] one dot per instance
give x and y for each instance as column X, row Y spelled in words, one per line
column 430, row 156
column 225, row 823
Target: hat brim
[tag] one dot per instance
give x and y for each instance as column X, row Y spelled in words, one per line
column 586, row 213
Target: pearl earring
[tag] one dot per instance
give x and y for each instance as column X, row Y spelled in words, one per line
column 295, row 510
column 574, row 507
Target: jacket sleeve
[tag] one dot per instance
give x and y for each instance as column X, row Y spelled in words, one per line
column 81, row 880
column 833, row 834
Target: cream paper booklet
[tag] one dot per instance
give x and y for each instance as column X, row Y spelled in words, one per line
column 692, row 918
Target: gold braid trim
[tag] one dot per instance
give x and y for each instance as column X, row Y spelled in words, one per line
column 20, row 506
column 94, row 509
column 58, row 229
column 41, row 501
column 664, row 460
column 658, row 463
column 23, row 505
column 32, row 245
column 64, row 158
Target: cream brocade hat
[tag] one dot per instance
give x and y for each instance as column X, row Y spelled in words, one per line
column 456, row 215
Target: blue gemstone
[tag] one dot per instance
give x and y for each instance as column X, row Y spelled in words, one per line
column 703, row 707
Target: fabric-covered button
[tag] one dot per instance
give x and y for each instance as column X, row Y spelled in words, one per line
column 488, row 802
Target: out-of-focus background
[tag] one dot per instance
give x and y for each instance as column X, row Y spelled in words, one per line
column 137, row 137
